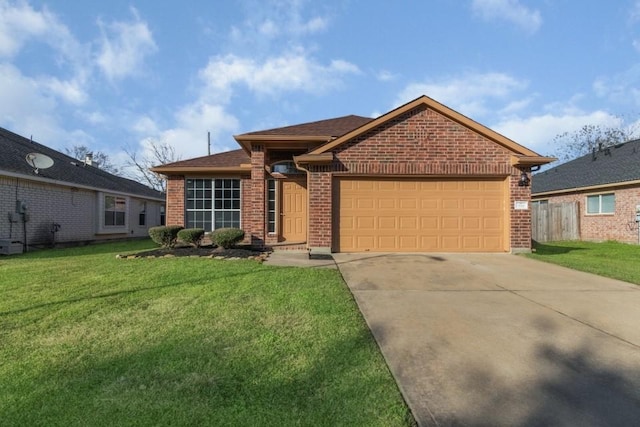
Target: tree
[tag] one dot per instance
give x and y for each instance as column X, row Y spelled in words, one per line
column 157, row 153
column 99, row 159
column 570, row 145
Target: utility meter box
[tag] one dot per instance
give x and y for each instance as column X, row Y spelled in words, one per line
column 10, row 247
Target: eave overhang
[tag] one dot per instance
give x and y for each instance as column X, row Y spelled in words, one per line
column 313, row 159
column 244, row 168
column 586, row 189
column 245, row 140
column 529, row 161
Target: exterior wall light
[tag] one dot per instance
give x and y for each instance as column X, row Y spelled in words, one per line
column 524, row 180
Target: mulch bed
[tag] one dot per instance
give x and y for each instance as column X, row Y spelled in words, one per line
column 208, row 251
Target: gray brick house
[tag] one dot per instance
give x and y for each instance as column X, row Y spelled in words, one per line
column 70, row 201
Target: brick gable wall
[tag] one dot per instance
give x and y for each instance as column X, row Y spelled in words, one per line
column 421, row 142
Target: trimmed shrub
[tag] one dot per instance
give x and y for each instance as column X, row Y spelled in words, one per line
column 192, row 236
column 227, row 237
column 165, row 236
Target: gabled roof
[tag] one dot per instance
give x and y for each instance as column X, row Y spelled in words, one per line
column 301, row 135
column 329, row 128
column 67, row 170
column 530, row 157
column 230, row 161
column 610, row 166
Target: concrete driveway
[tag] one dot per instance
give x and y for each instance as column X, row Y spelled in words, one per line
column 497, row 339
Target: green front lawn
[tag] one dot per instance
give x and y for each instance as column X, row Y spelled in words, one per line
column 609, row 259
column 88, row 339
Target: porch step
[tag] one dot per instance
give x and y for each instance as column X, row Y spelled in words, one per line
column 298, row 246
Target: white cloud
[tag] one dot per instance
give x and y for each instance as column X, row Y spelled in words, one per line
column 621, row 88
column 469, row 93
column 386, row 76
column 509, row 10
column 189, row 135
column 289, row 72
column 124, row 48
column 538, row 131
column 277, row 19
column 71, row 91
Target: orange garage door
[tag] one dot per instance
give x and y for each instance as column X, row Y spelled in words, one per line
column 426, row 215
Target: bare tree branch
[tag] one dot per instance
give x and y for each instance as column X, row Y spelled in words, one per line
column 570, row 145
column 100, row 159
column 159, row 153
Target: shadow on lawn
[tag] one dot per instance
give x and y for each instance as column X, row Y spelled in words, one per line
column 217, row 379
column 178, row 282
column 544, row 249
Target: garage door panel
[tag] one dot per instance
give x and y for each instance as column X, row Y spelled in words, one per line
column 387, row 204
column 387, row 223
column 429, row 223
column 421, row 215
column 471, row 223
column 408, row 223
column 492, row 223
column 365, row 223
column 450, row 223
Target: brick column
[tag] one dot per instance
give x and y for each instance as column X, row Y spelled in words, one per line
column 255, row 226
column 520, row 233
column 175, row 200
column 320, row 206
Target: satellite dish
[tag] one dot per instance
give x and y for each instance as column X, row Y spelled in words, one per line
column 39, row 161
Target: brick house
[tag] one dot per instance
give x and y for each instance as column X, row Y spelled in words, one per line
column 419, row 178
column 606, row 186
column 86, row 202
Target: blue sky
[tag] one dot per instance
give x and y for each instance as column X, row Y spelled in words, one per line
column 117, row 74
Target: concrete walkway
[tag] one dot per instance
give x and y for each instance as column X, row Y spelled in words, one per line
column 298, row 259
column 502, row 340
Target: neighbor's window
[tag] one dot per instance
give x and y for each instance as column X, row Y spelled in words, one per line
column 539, row 202
column 601, row 204
column 212, row 204
column 142, row 217
column 115, row 208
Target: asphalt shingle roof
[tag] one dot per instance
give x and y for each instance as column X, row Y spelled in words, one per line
column 14, row 149
column 231, row 158
column 330, row 127
column 615, row 164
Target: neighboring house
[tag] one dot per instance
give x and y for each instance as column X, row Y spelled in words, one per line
column 419, row 178
column 86, row 202
column 606, row 186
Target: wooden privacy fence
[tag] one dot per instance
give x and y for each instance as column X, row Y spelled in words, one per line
column 555, row 221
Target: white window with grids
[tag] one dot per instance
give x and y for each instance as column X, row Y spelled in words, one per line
column 213, row 203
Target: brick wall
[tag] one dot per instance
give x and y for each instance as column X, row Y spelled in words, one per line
column 620, row 226
column 320, row 215
column 423, row 143
column 257, row 215
column 175, row 200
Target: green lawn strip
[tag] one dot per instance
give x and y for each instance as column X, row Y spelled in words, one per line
column 88, row 339
column 609, row 259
